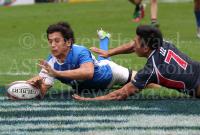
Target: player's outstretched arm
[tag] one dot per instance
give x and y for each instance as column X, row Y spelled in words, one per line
column 121, row 94
column 85, row 71
column 123, row 49
column 40, row 83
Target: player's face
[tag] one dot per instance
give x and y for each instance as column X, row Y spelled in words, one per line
column 139, row 50
column 58, row 46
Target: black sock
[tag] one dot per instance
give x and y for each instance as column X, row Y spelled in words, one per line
column 137, row 7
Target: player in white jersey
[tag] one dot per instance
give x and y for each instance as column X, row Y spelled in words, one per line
column 74, row 65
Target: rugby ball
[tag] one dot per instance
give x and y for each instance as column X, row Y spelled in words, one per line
column 22, row 90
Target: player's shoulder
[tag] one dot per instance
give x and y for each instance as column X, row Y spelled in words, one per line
column 78, row 48
column 161, row 52
column 168, row 45
column 51, row 59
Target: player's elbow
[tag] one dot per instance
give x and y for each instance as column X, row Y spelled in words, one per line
column 122, row 97
column 89, row 74
column 118, row 97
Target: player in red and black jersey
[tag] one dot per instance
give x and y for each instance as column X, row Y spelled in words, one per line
column 169, row 67
column 166, row 66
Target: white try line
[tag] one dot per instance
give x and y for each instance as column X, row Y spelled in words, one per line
column 18, row 73
column 190, row 42
column 75, row 109
column 141, row 121
column 61, row 118
column 3, row 98
column 157, row 119
column 34, row 103
column 108, row 132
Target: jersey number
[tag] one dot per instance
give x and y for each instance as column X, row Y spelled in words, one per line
column 180, row 61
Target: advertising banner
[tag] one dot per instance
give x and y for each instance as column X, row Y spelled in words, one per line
column 16, row 2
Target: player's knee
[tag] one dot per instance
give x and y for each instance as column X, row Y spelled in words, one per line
column 152, row 1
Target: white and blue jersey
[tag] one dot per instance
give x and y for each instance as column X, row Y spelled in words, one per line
column 77, row 56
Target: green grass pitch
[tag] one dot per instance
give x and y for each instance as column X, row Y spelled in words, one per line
column 152, row 111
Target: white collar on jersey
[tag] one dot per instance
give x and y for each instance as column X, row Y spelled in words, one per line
column 151, row 53
column 65, row 59
column 59, row 62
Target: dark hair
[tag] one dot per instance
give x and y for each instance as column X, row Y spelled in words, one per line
column 64, row 28
column 150, row 36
